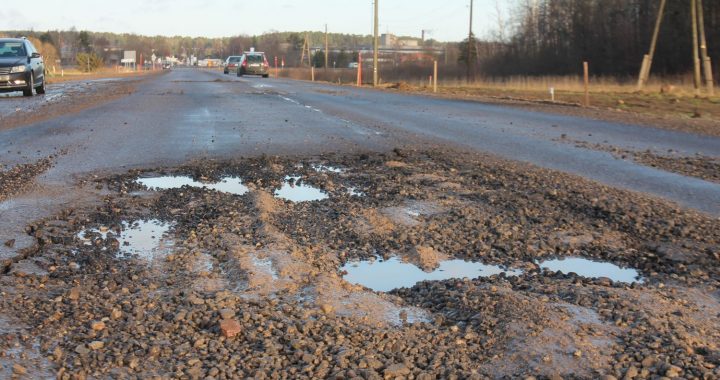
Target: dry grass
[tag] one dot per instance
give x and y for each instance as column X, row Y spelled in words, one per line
column 72, row 74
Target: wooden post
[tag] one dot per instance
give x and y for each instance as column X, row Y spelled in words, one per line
column 707, row 64
column 327, row 45
column 586, row 76
column 696, row 49
column 648, row 59
column 469, row 46
column 312, row 73
column 644, row 72
column 435, row 73
column 376, row 46
column 302, row 55
column 359, row 73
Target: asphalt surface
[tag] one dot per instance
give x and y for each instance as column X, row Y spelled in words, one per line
column 192, row 114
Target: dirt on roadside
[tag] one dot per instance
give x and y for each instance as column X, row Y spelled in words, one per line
column 653, row 109
column 227, row 281
column 74, row 101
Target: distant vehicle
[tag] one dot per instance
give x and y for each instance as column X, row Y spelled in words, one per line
column 166, row 65
column 353, row 65
column 231, row 63
column 254, row 63
column 21, row 67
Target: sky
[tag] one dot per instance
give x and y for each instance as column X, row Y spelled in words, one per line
column 446, row 20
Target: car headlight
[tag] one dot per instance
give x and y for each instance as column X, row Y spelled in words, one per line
column 18, row 69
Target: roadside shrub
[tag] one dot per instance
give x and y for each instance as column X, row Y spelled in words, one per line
column 88, row 62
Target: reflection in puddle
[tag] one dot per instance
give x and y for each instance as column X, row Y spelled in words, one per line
column 146, row 239
column 591, row 269
column 327, row 169
column 230, row 185
column 296, row 191
column 383, row 276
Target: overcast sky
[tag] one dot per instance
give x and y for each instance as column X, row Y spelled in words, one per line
column 223, row 18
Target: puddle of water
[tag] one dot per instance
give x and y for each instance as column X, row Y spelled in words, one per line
column 146, row 239
column 230, row 185
column 592, row 269
column 327, row 169
column 266, row 266
column 383, row 276
column 294, row 192
column 355, row 192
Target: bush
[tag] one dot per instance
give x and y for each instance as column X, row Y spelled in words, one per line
column 88, row 62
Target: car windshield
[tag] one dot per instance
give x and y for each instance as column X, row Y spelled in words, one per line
column 12, row 49
column 256, row 58
column 234, row 59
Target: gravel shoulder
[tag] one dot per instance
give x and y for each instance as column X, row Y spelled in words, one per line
column 252, row 285
column 64, row 98
column 698, row 165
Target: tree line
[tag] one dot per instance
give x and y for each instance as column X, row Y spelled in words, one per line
column 553, row 37
column 287, row 45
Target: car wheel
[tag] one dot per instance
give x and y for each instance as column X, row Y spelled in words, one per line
column 41, row 89
column 266, row 75
column 226, row 72
column 31, row 86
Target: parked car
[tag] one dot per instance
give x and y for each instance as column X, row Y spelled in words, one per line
column 231, row 63
column 21, row 67
column 254, row 63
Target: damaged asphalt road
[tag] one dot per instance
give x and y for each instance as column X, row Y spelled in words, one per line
column 208, row 226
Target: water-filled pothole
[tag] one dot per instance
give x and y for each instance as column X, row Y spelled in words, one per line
column 266, row 266
column 294, row 190
column 592, row 269
column 354, row 192
column 327, row 169
column 230, row 185
column 386, row 275
column 146, row 239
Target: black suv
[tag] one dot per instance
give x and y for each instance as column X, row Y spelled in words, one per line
column 21, row 67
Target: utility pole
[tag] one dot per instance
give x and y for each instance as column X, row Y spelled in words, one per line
column 696, row 55
column 469, row 44
column 648, row 59
column 707, row 64
column 376, row 47
column 327, row 51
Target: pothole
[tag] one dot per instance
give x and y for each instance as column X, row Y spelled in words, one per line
column 294, row 190
column 386, row 275
column 327, row 169
column 145, row 239
column 592, row 269
column 354, row 192
column 230, row 185
column 265, row 265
